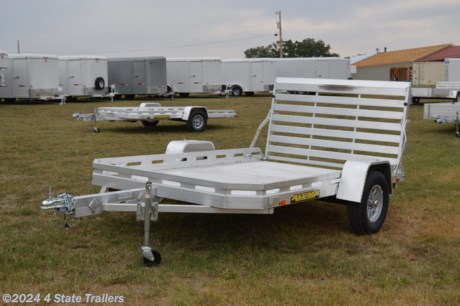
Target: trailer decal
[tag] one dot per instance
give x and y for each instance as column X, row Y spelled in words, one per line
column 305, row 196
column 161, row 117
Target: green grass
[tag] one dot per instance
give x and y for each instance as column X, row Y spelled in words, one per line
column 301, row 255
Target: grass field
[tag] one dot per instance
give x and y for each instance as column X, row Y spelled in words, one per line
column 301, row 255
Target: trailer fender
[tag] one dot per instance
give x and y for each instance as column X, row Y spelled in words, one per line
column 354, row 175
column 189, row 109
column 186, row 146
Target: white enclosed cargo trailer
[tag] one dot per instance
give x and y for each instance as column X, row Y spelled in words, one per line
column 320, row 67
column 194, row 75
column 248, row 75
column 5, row 73
column 427, row 73
column 452, row 69
column 343, row 140
column 149, row 114
column 138, row 76
column 31, row 76
column 84, row 76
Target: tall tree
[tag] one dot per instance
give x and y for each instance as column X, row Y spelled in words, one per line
column 305, row 48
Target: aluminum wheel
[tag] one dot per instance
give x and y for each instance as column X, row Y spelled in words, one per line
column 198, row 122
column 368, row 216
column 375, row 203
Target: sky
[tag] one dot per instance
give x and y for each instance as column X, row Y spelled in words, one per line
column 218, row 28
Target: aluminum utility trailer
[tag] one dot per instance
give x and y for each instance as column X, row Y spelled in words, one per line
column 150, row 114
column 342, row 141
column 443, row 113
column 443, row 90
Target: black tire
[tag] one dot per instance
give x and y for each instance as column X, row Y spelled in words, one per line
column 10, row 100
column 149, row 123
column 368, row 216
column 129, row 97
column 237, row 91
column 99, row 84
column 156, row 259
column 184, row 94
column 197, row 121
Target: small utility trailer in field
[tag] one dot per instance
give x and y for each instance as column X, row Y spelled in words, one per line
column 443, row 113
column 149, row 114
column 341, row 141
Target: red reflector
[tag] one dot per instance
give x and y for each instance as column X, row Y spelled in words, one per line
column 283, row 202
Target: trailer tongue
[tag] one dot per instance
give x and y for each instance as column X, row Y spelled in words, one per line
column 338, row 140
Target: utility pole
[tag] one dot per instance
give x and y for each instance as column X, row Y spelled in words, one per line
column 278, row 25
column 19, row 50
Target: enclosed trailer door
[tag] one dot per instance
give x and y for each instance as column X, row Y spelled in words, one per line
column 452, row 70
column 156, row 76
column 178, row 75
column 322, row 69
column 6, row 90
column 20, row 79
column 196, row 77
column 75, row 78
column 121, row 75
column 339, row 69
column 211, row 76
column 139, row 79
column 256, row 76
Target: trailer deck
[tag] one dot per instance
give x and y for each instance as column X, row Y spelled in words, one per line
column 327, row 139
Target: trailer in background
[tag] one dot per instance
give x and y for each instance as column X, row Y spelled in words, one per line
column 443, row 90
column 314, row 67
column 149, row 114
column 248, row 75
column 84, row 76
column 443, row 113
column 30, row 76
column 194, row 75
column 427, row 73
column 452, row 69
column 138, row 76
column 5, row 75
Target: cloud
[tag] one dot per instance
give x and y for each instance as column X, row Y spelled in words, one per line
column 221, row 28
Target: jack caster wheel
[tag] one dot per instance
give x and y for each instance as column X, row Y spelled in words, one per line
column 96, row 130
column 156, row 259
